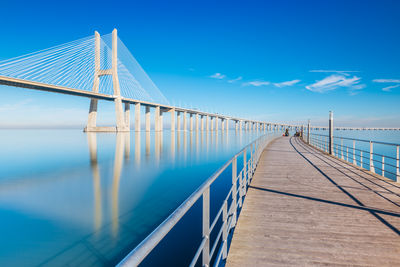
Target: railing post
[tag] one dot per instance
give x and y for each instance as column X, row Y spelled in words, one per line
column 331, row 133
column 383, row 166
column 371, row 157
column 361, row 159
column 245, row 176
column 397, row 164
column 354, row 152
column 308, row 132
column 234, row 190
column 341, row 147
column 225, row 230
column 206, row 227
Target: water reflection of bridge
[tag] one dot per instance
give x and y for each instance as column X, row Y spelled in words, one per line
column 105, row 243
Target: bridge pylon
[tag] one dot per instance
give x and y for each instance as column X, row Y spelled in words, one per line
column 122, row 125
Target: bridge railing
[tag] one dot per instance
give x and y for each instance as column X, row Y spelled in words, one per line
column 360, row 152
column 227, row 214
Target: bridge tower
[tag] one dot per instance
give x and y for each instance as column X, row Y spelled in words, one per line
column 122, row 123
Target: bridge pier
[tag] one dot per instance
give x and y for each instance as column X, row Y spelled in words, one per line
column 178, row 121
column 191, row 122
column 184, row 120
column 172, row 112
column 147, row 118
column 197, row 122
column 137, row 117
column 157, row 119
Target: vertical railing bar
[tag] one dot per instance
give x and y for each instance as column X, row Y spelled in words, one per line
column 206, row 227
column 225, row 230
column 397, row 164
column 371, row 154
column 383, row 166
column 234, row 190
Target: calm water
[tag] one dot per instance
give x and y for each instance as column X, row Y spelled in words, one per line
column 389, row 151
column 67, row 197
column 70, row 198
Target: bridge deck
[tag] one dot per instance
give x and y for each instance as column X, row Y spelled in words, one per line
column 306, row 208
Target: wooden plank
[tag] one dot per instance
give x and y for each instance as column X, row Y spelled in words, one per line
column 307, row 208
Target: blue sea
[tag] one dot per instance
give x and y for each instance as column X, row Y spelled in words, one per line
column 87, row 199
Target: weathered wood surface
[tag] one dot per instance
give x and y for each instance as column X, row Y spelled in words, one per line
column 306, row 208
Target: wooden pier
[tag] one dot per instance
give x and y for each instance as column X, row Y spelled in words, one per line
column 305, row 208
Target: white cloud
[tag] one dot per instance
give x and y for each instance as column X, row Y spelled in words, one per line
column 342, row 72
column 256, row 83
column 218, row 76
column 388, row 88
column 288, row 83
column 334, row 81
column 235, row 80
column 386, row 81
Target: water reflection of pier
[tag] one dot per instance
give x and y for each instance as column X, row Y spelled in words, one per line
column 178, row 148
column 199, row 143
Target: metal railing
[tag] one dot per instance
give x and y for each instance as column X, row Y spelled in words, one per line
column 387, row 166
column 229, row 213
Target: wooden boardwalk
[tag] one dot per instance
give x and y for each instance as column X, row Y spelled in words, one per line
column 305, row 208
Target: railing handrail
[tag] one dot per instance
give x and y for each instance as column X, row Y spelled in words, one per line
column 361, row 140
column 139, row 253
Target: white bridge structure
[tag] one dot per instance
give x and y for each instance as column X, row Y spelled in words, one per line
column 102, row 68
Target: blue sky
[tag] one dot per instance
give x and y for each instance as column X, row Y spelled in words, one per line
column 283, row 61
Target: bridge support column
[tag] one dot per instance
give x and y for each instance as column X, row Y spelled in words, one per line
column 191, row 122
column 184, row 120
column 216, row 124
column 157, row 119
column 223, row 124
column 207, row 123
column 172, row 112
column 127, row 115
column 227, row 124
column 147, row 118
column 197, row 122
column 137, row 117
column 202, row 123
column 178, row 120
column 212, row 123
column 161, row 121
column 119, row 112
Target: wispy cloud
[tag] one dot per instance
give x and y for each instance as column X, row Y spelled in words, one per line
column 287, row 83
column 334, row 81
column 342, row 72
column 388, row 88
column 256, row 83
column 218, row 76
column 235, row 80
column 386, row 81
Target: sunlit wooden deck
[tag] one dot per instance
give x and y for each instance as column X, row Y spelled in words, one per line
column 306, row 208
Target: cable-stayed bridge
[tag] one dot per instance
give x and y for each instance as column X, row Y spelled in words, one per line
column 102, row 68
